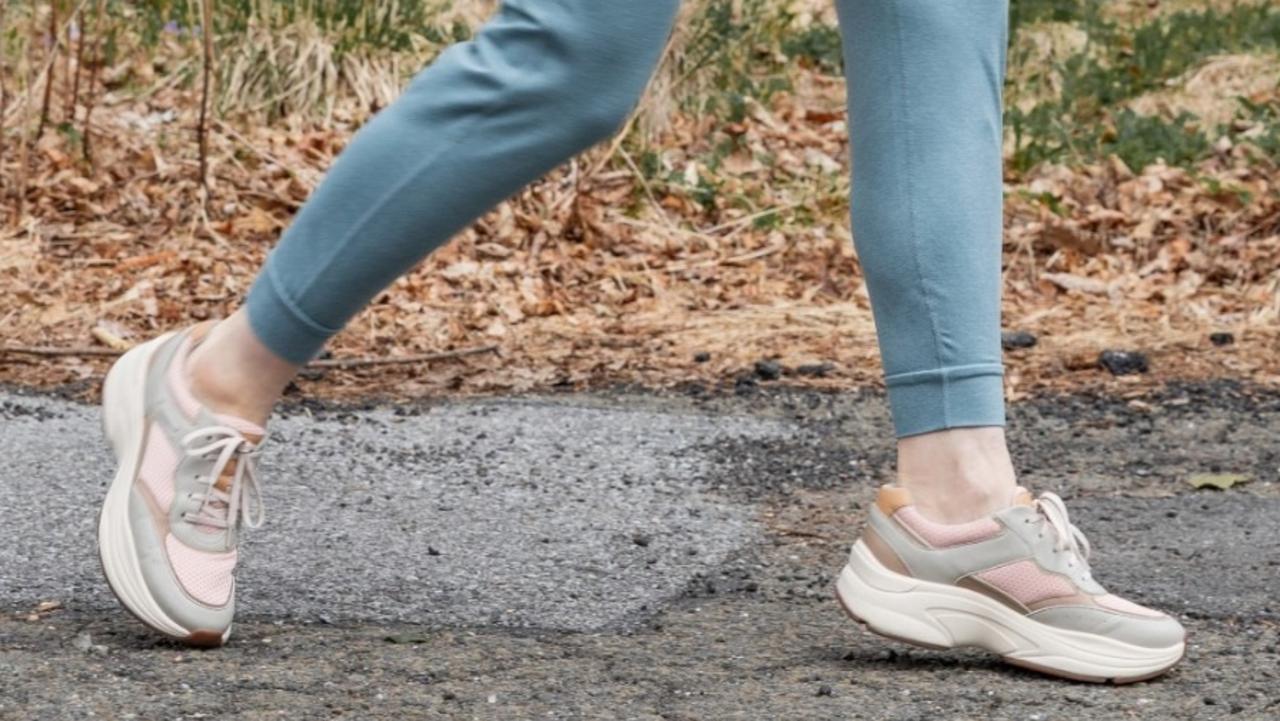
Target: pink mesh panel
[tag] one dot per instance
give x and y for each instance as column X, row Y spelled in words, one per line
column 942, row 535
column 176, row 379
column 159, row 464
column 205, row 576
column 1115, row 603
column 1027, row 582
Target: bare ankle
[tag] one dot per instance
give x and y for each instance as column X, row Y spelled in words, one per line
column 233, row 373
column 957, row 475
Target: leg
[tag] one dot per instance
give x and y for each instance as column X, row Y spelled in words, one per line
column 957, row 555
column 543, row 80
column 924, row 81
column 184, row 412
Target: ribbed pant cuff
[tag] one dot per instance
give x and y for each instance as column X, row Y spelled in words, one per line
column 280, row 324
column 955, row 397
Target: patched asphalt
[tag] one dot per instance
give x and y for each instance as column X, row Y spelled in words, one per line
column 631, row 556
column 523, row 514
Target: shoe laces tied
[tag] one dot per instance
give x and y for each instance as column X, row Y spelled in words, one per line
column 242, row 501
column 1069, row 538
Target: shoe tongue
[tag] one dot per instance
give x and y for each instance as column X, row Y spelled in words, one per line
column 1022, row 497
column 252, row 432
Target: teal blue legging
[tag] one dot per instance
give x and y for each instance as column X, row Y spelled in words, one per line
column 545, row 79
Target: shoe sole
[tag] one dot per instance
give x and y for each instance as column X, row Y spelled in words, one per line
column 124, row 421
column 942, row 617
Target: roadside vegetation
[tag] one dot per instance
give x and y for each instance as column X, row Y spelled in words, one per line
column 152, row 150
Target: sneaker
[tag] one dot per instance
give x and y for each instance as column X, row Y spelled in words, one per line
column 184, row 487
column 1016, row 583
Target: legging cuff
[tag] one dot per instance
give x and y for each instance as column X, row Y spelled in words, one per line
column 280, row 324
column 953, row 397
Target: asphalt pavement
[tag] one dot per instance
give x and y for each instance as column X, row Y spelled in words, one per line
column 629, row 555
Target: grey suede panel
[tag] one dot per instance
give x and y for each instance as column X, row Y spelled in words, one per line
column 160, row 579
column 193, row 473
column 1023, row 536
column 1148, row 632
column 947, row 565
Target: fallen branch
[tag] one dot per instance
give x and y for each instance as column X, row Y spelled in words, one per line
column 52, row 351
column 341, row 363
column 404, row 360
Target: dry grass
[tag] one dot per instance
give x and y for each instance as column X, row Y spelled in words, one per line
column 1212, row 91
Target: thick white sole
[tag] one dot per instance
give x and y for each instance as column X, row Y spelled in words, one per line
column 124, row 421
column 941, row 616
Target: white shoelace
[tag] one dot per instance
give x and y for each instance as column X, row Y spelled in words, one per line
column 243, row 499
column 1069, row 538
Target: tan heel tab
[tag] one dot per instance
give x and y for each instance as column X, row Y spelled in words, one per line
column 198, row 332
column 890, row 498
column 1022, row 497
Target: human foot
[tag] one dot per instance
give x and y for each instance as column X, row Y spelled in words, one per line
column 1016, row 583
column 184, row 487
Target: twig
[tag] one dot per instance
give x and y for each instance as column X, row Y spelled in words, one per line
column 90, row 97
column 24, row 141
column 26, row 100
column 53, row 351
column 202, row 130
column 341, row 363
column 405, row 360
column 248, row 144
column 739, row 222
column 734, row 260
column 74, row 100
column 4, row 90
column 644, row 185
column 797, row 533
column 50, row 70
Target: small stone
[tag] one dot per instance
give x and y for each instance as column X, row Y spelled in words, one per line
column 1123, row 362
column 768, row 370
column 825, row 690
column 642, row 540
column 744, row 386
column 816, row 370
column 1221, row 339
column 702, row 357
column 448, row 696
column 82, row 642
column 1017, row 339
column 431, row 551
